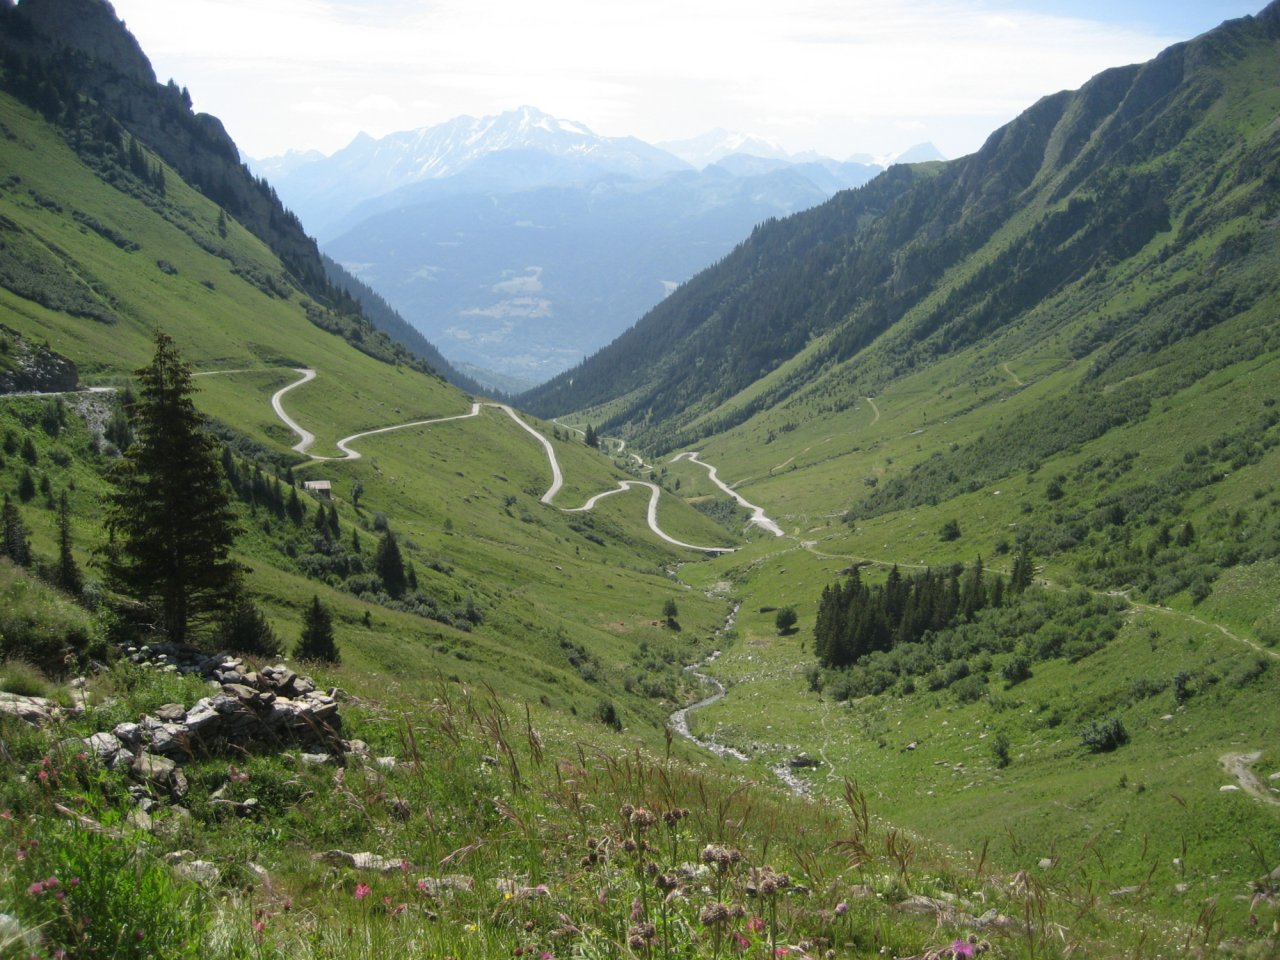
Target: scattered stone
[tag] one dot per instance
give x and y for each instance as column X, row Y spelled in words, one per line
column 37, row 711
column 361, row 861
column 921, row 904
column 1046, row 863
column 994, row 918
column 316, row 759
column 387, row 763
column 104, row 745
column 1228, row 788
column 241, row 808
column 172, row 713
column 443, row 886
column 1181, row 888
column 1121, row 892
column 519, row 891
column 12, row 933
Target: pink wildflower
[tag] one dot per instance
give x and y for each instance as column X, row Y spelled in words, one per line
column 755, row 924
column 36, row 888
column 363, row 890
column 741, row 942
column 962, row 948
column 841, row 908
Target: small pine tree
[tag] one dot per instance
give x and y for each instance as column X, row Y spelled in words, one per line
column 69, row 577
column 390, row 565
column 317, row 642
column 14, row 542
column 591, row 439
column 1023, row 571
column 26, row 485
column 246, row 629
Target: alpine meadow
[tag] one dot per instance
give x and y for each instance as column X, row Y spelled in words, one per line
column 904, row 584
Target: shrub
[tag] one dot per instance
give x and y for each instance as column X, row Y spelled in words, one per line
column 136, row 907
column 785, row 621
column 1103, row 736
column 1016, row 670
column 607, row 714
column 969, row 689
column 1000, row 750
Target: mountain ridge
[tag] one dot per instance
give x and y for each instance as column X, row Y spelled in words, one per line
column 877, row 263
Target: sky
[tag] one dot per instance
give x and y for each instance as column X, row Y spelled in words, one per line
column 837, row 76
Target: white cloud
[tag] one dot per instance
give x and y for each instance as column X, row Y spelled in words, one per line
column 827, row 74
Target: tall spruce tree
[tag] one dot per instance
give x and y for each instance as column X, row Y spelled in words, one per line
column 170, row 516
column 68, row 570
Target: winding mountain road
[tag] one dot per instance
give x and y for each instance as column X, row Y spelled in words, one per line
column 758, row 516
column 306, row 439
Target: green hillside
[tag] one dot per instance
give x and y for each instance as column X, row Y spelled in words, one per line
column 1061, row 349
column 1064, row 345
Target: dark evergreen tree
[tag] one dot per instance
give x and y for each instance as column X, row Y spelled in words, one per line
column 69, row 577
column 590, row 438
column 14, row 533
column 29, row 451
column 317, row 641
column 1023, row 571
column 390, row 565
column 670, row 611
column 26, row 485
column 335, row 530
column 294, row 508
column 170, row 516
column 320, row 522
column 245, row 629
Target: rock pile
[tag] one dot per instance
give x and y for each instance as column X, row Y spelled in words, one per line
column 270, row 706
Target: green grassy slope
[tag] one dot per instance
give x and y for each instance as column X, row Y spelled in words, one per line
column 1067, row 343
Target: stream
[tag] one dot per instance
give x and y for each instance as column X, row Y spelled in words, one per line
column 679, row 720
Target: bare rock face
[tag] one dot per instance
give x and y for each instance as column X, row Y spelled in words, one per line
column 27, row 367
column 92, row 28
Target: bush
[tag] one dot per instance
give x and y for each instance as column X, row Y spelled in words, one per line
column 1016, row 670
column 607, row 714
column 969, row 689
column 1103, row 736
column 785, row 621
column 1000, row 750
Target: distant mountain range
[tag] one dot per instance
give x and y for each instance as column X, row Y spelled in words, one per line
column 520, row 243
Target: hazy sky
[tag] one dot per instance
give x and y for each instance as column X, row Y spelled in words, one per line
column 837, row 76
